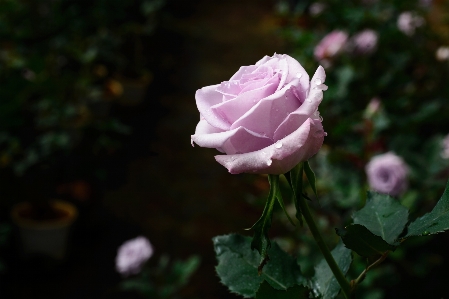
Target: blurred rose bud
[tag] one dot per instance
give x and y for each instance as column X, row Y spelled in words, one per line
column 132, row 255
column 445, row 151
column 331, row 45
column 442, row 53
column 316, row 8
column 372, row 108
column 408, row 21
column 364, row 42
column 387, row 173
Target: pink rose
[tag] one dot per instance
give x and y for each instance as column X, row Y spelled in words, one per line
column 265, row 118
column 387, row 173
column 331, row 45
column 408, row 21
column 132, row 255
column 445, row 151
column 364, row 42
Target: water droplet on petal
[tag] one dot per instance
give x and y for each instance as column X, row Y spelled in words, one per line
column 325, row 133
column 278, row 144
column 269, row 162
column 309, row 100
column 321, row 118
column 298, row 75
column 318, row 82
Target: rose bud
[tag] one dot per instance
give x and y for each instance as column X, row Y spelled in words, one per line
column 265, row 119
column 331, row 45
column 408, row 21
column 132, row 255
column 387, row 173
column 445, row 151
column 364, row 43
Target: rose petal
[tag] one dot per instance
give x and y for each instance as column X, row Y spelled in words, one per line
column 243, row 70
column 207, row 97
column 239, row 140
column 235, row 108
column 280, row 157
column 265, row 117
column 298, row 117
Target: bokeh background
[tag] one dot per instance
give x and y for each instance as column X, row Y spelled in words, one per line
column 97, row 107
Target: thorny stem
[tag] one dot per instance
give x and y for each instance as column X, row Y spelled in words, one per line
column 344, row 284
column 362, row 275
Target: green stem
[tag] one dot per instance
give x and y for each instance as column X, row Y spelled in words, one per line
column 344, row 284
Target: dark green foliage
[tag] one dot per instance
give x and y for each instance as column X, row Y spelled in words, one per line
column 324, row 283
column 266, row 291
column 358, row 238
column 238, row 266
column 383, row 215
column 434, row 222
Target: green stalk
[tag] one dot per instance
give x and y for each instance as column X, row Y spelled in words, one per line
column 344, row 284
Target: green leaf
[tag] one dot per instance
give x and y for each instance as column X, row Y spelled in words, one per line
column 266, row 291
column 238, row 266
column 361, row 240
column 261, row 241
column 294, row 177
column 434, row 222
column 383, row 215
column 324, row 282
column 310, row 176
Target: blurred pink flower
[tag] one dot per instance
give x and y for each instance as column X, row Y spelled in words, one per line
column 408, row 21
column 331, row 45
column 316, row 8
column 132, row 255
column 442, row 53
column 372, row 108
column 387, row 173
column 364, row 42
column 445, row 152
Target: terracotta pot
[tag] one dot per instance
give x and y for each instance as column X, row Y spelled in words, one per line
column 44, row 237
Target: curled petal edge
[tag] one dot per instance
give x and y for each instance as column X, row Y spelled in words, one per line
column 281, row 156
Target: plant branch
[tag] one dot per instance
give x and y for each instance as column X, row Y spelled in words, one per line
column 344, row 284
column 362, row 275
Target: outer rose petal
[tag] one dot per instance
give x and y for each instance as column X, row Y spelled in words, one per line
column 207, row 97
column 280, row 157
column 239, row 140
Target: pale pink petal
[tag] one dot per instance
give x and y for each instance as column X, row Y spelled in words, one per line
column 265, row 117
column 233, row 109
column 207, row 97
column 296, row 71
column 239, row 140
column 280, row 157
column 243, row 70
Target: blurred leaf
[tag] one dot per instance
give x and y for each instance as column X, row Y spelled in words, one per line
column 184, row 269
column 358, row 238
column 310, row 176
column 324, row 282
column 383, row 215
column 238, row 266
column 268, row 292
column 434, row 222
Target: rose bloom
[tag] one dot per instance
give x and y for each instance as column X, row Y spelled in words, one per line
column 331, row 45
column 408, row 21
column 387, row 173
column 265, row 119
column 442, row 53
column 445, row 152
column 364, row 42
column 132, row 255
